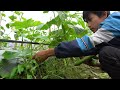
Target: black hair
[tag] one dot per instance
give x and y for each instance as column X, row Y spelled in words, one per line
column 98, row 13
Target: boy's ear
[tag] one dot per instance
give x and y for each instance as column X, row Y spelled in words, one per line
column 105, row 14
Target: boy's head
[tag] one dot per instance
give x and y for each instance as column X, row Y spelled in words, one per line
column 94, row 18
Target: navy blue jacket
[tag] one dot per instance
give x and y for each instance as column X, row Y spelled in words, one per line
column 108, row 34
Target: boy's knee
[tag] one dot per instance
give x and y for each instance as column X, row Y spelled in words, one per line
column 107, row 56
column 105, row 51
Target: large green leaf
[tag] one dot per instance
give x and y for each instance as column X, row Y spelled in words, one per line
column 25, row 24
column 42, row 27
column 6, row 67
column 9, row 55
column 36, row 23
column 54, row 21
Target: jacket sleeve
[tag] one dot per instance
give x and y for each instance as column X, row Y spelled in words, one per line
column 76, row 48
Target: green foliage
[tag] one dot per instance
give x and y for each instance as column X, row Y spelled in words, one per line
column 45, row 11
column 12, row 17
column 7, row 25
column 66, row 29
column 3, row 14
column 14, row 64
column 18, row 12
column 1, row 28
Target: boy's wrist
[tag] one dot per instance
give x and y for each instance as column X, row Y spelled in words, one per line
column 50, row 52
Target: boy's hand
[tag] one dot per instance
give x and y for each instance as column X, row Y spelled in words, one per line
column 43, row 55
column 92, row 63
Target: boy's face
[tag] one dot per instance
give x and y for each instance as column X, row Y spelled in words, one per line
column 94, row 21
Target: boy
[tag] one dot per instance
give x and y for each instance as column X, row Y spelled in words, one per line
column 105, row 41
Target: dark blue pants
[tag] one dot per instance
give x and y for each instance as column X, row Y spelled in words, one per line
column 109, row 58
